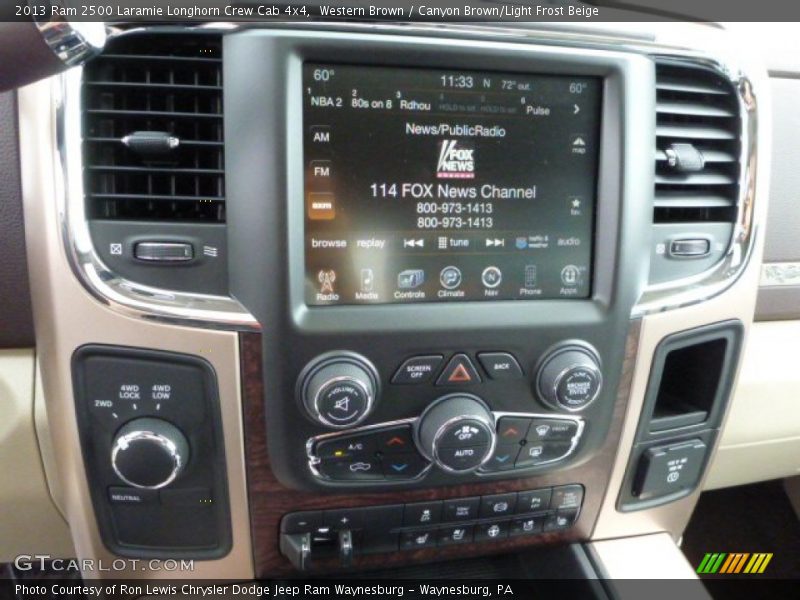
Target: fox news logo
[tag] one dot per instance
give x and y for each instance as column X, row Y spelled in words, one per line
column 456, row 161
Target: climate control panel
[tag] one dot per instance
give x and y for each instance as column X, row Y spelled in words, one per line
column 152, row 446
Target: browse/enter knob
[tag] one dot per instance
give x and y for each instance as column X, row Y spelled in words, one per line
column 149, row 453
column 570, row 377
column 338, row 390
column 457, row 433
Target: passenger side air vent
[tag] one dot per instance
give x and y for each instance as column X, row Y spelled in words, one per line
column 153, row 160
column 153, row 129
column 697, row 146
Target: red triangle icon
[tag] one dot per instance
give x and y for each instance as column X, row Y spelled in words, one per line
column 460, row 375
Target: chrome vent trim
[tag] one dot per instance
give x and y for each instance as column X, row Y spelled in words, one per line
column 120, row 294
column 714, row 281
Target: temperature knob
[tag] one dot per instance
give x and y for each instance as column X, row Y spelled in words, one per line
column 149, row 453
column 457, row 433
column 570, row 377
column 339, row 390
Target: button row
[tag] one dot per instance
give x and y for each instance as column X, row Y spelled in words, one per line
column 380, row 454
column 459, row 370
column 455, row 521
column 489, row 531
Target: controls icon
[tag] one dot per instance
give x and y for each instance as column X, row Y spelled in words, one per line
column 450, row 278
column 410, row 279
column 326, row 278
column 491, row 277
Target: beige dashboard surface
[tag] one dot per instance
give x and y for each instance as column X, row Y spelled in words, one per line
column 29, row 521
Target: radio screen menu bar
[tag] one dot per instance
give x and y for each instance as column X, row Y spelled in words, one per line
column 431, row 185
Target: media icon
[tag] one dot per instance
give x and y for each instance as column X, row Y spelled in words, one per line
column 491, row 277
column 410, row 279
column 367, row 280
column 450, row 278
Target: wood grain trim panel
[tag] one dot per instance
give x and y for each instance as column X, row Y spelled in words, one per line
column 270, row 499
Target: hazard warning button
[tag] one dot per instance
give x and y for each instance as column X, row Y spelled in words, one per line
column 459, row 371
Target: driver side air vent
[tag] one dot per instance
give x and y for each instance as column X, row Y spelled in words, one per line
column 697, row 169
column 153, row 130
column 153, row 160
column 697, row 146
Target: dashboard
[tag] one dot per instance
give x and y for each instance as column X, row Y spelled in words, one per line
column 348, row 296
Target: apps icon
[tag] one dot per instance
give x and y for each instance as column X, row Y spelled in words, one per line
column 571, row 276
column 450, row 278
column 410, row 279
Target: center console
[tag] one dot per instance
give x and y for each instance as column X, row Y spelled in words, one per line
column 448, row 277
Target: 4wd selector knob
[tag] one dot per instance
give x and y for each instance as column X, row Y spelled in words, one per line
column 570, row 377
column 339, row 389
column 149, row 453
column 457, row 433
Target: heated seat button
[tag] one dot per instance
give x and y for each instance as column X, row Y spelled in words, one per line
column 512, row 430
column 537, row 453
column 563, row 519
column 500, row 365
column 403, row 466
column 527, row 525
column 457, row 534
column 498, row 505
column 461, row 509
column 416, row 370
column 459, row 371
column 412, row 540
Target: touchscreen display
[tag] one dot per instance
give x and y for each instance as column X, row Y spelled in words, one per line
column 426, row 185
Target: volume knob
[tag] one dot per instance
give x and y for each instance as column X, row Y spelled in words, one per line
column 339, row 390
column 149, row 453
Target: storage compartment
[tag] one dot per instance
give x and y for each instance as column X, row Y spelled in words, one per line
column 691, row 377
column 689, row 383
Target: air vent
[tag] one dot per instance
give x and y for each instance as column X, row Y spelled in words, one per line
column 697, row 146
column 153, row 130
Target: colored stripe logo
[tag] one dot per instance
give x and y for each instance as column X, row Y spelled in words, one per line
column 734, row 562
